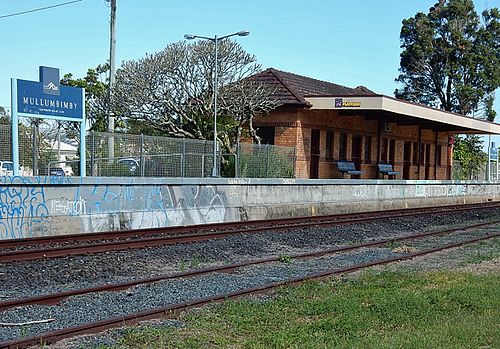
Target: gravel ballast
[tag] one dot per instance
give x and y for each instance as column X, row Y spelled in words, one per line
column 40, row 277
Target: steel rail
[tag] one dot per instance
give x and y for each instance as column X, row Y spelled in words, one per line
column 171, row 310
column 57, row 297
column 188, row 229
column 73, row 250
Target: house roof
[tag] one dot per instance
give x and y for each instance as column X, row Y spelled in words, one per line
column 293, row 89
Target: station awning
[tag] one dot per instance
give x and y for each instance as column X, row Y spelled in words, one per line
column 388, row 109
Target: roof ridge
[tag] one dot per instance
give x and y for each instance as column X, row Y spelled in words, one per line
column 290, row 89
column 310, row 78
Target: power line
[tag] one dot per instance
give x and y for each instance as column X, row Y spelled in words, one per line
column 39, row 9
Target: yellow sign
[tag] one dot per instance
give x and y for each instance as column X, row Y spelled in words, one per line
column 339, row 103
column 351, row 104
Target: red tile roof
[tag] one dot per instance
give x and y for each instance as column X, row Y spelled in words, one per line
column 292, row 88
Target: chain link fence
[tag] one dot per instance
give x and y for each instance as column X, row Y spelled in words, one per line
column 147, row 156
column 265, row 161
column 118, row 154
column 35, row 149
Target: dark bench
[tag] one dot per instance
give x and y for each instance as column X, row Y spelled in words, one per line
column 347, row 167
column 387, row 170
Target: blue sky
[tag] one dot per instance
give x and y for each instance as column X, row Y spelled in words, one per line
column 351, row 43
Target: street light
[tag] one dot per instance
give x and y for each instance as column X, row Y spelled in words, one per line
column 215, row 40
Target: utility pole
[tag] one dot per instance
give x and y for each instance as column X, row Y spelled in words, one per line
column 112, row 44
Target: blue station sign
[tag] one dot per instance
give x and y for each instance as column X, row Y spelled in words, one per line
column 49, row 98
column 493, row 152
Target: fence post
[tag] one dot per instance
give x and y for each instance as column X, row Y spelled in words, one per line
column 183, row 155
column 141, row 152
column 92, row 153
column 35, row 149
column 267, row 160
column 237, row 161
column 203, row 165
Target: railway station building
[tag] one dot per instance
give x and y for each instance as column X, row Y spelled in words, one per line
column 329, row 124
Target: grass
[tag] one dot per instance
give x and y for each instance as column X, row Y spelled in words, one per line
column 384, row 310
column 485, row 251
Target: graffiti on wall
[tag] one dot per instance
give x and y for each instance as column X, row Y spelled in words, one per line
column 23, row 209
column 38, row 206
column 64, row 206
column 133, row 207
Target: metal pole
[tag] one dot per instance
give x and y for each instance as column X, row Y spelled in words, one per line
column 83, row 145
column 267, row 160
column 237, row 161
column 112, row 45
column 498, row 160
column 488, row 168
column 142, row 155
column 14, row 126
column 183, row 157
column 92, row 155
column 214, row 167
column 203, row 165
column 34, row 131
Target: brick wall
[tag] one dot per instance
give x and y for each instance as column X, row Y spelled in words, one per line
column 293, row 128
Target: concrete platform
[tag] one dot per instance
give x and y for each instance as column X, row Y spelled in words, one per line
column 44, row 206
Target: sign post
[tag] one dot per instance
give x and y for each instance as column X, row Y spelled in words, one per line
column 47, row 99
column 492, row 156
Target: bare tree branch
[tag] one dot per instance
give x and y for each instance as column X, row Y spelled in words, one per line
column 172, row 91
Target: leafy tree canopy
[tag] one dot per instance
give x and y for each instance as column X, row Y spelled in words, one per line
column 468, row 151
column 450, row 58
column 4, row 117
column 96, row 96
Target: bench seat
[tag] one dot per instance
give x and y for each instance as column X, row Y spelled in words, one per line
column 387, row 169
column 348, row 167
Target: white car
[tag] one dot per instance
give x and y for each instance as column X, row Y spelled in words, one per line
column 6, row 168
column 131, row 163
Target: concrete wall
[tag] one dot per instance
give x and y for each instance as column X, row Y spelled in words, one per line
column 44, row 206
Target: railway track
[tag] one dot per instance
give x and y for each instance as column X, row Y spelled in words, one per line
column 82, row 244
column 461, row 236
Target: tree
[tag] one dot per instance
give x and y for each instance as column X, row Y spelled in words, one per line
column 468, row 151
column 96, row 97
column 171, row 92
column 4, row 117
column 451, row 59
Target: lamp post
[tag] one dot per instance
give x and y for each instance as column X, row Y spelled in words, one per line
column 215, row 40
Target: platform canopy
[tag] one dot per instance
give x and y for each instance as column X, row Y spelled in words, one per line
column 299, row 91
column 389, row 109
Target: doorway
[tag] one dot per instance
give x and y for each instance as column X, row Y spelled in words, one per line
column 406, row 160
column 428, row 174
column 356, row 150
column 315, row 153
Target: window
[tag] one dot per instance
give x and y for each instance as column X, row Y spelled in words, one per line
column 343, row 146
column 392, row 151
column 266, row 134
column 368, row 149
column 329, row 145
column 356, row 146
column 384, row 150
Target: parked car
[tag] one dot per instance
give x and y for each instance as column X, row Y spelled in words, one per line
column 56, row 171
column 130, row 163
column 6, row 168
